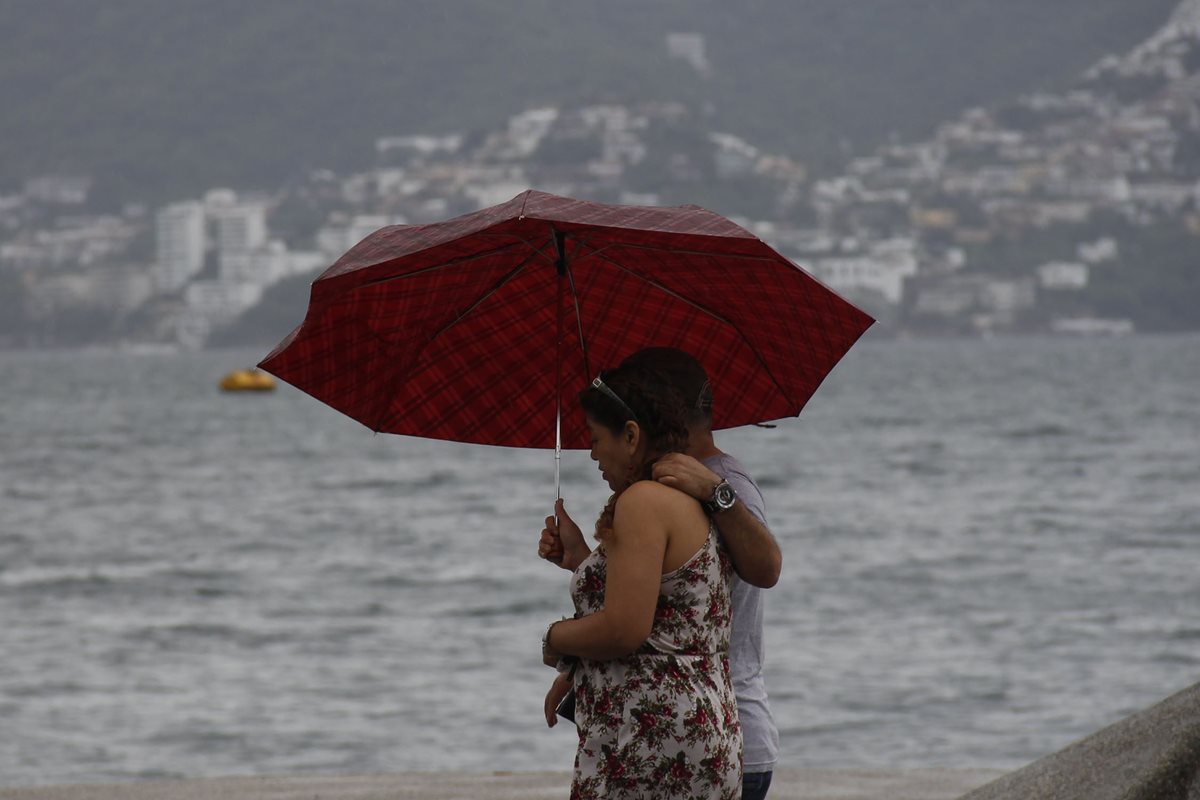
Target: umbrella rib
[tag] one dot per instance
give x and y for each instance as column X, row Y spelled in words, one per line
column 587, row 369
column 677, row 251
column 697, row 306
column 444, row 264
column 657, row 285
column 495, row 288
column 382, row 416
column 580, row 242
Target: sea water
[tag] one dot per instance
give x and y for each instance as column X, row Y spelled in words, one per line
column 991, row 549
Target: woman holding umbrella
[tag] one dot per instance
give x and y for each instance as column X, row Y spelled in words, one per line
column 654, row 702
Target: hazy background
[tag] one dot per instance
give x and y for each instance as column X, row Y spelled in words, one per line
column 160, row 101
column 949, row 150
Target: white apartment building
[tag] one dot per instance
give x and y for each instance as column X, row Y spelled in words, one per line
column 1063, row 275
column 882, row 269
column 219, row 302
column 268, row 265
column 241, row 228
column 335, row 239
column 179, row 230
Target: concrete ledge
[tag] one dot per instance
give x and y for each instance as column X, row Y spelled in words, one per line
column 1152, row 755
column 793, row 784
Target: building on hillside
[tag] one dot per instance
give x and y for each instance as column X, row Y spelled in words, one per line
column 268, row 265
column 120, row 288
column 240, row 228
column 734, row 157
column 1092, row 326
column 221, row 302
column 243, row 252
column 882, row 269
column 261, row 266
column 986, row 303
column 117, row 289
column 690, row 48
column 1103, row 249
column 341, row 233
column 419, row 147
column 1163, row 196
column 179, row 230
column 521, row 138
column 1063, row 275
column 210, row 304
column 65, row 190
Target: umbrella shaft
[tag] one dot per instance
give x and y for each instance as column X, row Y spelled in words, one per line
column 557, row 461
column 561, row 271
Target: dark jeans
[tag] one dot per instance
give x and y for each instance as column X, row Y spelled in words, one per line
column 755, row 785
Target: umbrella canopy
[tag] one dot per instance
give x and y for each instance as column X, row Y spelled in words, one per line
column 475, row 328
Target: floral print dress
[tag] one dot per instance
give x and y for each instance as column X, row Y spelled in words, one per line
column 662, row 722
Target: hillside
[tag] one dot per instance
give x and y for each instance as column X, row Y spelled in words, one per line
column 161, row 100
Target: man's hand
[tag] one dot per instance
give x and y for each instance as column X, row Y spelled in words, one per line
column 687, row 475
column 755, row 553
column 558, row 690
column 561, row 541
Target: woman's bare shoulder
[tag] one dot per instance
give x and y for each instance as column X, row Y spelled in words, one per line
column 651, row 495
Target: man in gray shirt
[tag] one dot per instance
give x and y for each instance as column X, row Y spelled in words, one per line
column 708, row 474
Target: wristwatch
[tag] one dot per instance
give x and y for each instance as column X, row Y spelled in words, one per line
column 723, row 498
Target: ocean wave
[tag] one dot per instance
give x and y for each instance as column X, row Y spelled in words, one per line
column 1047, row 430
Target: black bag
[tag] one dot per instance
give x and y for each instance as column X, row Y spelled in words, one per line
column 566, row 709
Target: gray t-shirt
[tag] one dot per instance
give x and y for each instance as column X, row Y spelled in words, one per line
column 759, row 734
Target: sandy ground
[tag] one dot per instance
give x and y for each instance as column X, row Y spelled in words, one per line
column 801, row 784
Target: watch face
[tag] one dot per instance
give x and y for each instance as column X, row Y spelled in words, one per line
column 724, row 496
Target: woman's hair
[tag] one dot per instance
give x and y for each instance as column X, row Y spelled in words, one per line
column 683, row 371
column 634, row 391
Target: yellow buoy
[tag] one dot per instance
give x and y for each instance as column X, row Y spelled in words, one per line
column 247, row 380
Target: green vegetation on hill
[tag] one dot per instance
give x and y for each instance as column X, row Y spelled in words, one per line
column 1154, row 281
column 162, row 100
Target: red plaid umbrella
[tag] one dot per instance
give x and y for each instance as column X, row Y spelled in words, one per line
column 473, row 329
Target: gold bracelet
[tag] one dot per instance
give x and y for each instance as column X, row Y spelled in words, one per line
column 546, row 636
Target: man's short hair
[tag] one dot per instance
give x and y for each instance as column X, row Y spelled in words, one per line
column 683, row 372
